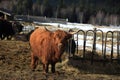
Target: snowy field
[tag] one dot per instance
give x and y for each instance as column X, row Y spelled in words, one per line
column 86, row 27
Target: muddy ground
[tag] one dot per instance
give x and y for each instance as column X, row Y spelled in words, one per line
column 15, row 65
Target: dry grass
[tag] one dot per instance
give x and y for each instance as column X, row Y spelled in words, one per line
column 15, row 65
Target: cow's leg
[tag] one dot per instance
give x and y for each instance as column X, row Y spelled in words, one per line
column 34, row 62
column 3, row 36
column 9, row 37
column 53, row 67
column 45, row 68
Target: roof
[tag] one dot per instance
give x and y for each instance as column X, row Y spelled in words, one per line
column 4, row 11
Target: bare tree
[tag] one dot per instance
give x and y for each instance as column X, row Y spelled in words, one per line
column 99, row 17
column 80, row 16
column 106, row 20
column 92, row 20
column 114, row 20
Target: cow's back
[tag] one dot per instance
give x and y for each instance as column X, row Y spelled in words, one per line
column 39, row 41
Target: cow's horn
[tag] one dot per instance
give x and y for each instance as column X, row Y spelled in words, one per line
column 73, row 32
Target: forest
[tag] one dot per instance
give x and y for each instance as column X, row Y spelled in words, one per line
column 97, row 12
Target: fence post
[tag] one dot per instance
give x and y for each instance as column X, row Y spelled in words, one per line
column 84, row 45
column 102, row 40
column 104, row 55
column 94, row 45
column 118, row 42
column 77, row 43
column 112, row 48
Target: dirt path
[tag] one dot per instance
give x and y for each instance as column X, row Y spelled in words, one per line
column 15, row 65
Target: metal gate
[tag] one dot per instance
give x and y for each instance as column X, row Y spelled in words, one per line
column 104, row 39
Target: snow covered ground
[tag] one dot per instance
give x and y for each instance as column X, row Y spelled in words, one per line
column 86, row 27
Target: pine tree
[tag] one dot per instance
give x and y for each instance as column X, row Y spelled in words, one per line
column 47, row 9
column 27, row 4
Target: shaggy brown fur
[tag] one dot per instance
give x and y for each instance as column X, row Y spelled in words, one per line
column 48, row 47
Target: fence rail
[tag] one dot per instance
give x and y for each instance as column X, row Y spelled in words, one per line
column 104, row 40
column 39, row 19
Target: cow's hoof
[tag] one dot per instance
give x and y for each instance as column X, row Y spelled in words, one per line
column 38, row 70
column 33, row 70
column 57, row 73
column 45, row 73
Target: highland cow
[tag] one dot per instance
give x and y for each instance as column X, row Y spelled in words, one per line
column 48, row 46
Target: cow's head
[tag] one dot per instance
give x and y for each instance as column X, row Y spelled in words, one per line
column 17, row 27
column 61, row 37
